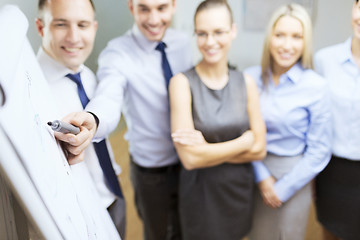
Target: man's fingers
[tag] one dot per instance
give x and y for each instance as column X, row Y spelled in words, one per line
column 74, row 159
column 80, row 119
column 68, row 138
column 84, row 137
column 81, row 142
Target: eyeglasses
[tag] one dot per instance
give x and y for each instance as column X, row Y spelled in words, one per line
column 217, row 35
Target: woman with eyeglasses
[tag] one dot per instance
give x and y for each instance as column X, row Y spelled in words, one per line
column 295, row 105
column 217, row 130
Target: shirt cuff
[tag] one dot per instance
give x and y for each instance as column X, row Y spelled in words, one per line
column 282, row 190
column 260, row 170
column 96, row 139
column 96, row 119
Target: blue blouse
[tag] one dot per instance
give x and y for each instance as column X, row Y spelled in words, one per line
column 298, row 121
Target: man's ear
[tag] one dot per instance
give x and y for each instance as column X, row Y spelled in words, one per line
column 234, row 30
column 131, row 7
column 39, row 26
column 174, row 5
column 96, row 24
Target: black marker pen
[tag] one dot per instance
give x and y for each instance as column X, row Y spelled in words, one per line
column 63, row 127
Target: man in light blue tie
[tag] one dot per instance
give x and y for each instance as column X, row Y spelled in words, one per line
column 134, row 71
column 68, row 29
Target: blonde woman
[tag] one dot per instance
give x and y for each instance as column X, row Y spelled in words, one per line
column 217, row 130
column 295, row 106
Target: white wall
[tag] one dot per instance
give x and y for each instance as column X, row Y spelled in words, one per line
column 29, row 7
column 113, row 16
column 331, row 25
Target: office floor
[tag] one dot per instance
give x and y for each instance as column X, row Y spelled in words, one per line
column 134, row 225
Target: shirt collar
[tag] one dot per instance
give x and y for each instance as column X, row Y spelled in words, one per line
column 52, row 69
column 292, row 75
column 143, row 42
column 346, row 54
column 295, row 72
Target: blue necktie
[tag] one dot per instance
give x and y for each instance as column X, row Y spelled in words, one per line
column 100, row 147
column 165, row 63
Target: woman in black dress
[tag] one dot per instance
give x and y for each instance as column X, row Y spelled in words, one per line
column 217, row 130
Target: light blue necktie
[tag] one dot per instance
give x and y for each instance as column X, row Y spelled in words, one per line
column 100, row 147
column 165, row 63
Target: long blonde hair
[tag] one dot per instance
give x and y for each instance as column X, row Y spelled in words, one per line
column 295, row 11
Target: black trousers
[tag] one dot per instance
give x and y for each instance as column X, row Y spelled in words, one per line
column 156, row 199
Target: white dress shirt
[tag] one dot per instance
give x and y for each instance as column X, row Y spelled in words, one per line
column 338, row 66
column 132, row 81
column 66, row 96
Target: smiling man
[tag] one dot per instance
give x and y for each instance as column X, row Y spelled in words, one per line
column 134, row 70
column 68, row 29
column 67, row 34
